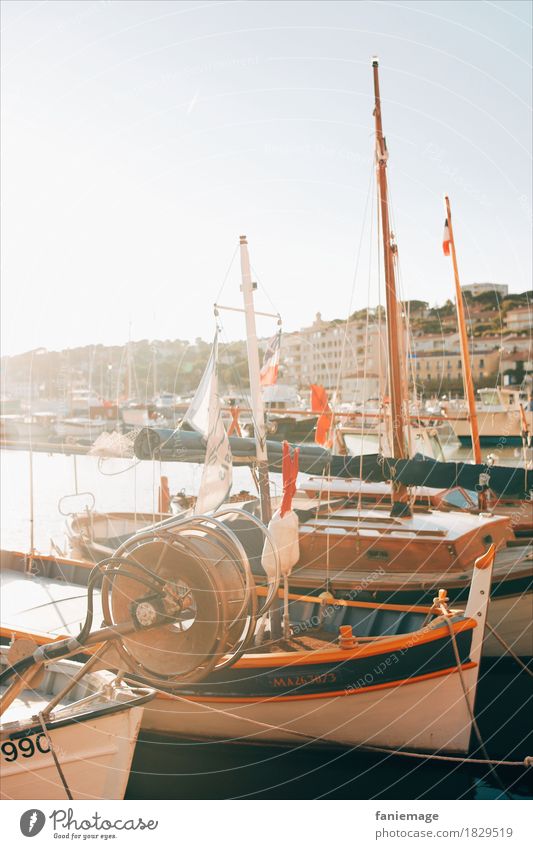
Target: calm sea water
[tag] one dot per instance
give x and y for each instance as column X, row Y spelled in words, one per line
column 115, row 484
column 191, row 769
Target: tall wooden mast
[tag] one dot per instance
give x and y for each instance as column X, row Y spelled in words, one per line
column 465, row 353
column 400, row 499
column 247, row 288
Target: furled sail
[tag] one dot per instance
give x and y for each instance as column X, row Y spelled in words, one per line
column 187, row 447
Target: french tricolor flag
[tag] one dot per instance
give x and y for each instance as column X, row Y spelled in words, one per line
column 269, row 371
column 446, row 239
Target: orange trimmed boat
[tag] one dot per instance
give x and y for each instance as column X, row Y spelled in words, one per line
column 351, row 673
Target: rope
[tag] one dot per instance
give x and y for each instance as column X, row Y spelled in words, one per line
column 364, row 420
column 369, row 194
column 225, row 278
column 101, row 461
column 471, row 712
column 56, row 761
column 382, row 366
column 527, row 762
column 508, row 649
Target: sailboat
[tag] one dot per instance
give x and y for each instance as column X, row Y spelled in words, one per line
column 197, row 619
column 186, row 616
column 354, row 549
column 191, row 616
column 518, row 510
column 409, row 544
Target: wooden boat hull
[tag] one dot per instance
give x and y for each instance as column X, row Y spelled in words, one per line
column 390, row 716
column 95, row 757
column 510, row 611
column 93, row 536
column 405, row 678
column 430, row 541
column 518, row 511
column 92, row 728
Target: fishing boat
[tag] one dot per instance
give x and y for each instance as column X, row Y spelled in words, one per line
column 135, row 414
column 26, row 428
column 400, row 538
column 283, row 419
column 82, row 428
column 196, row 607
column 510, row 612
column 391, row 678
column 504, row 418
column 93, row 535
column 88, row 416
column 372, row 435
column 346, row 672
column 80, row 748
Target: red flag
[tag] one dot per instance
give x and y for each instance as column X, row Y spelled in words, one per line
column 319, row 404
column 289, row 470
column 269, row 371
column 446, row 240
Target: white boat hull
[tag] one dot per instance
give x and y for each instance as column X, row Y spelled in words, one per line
column 428, row 714
column 495, row 428
column 84, row 428
column 95, row 757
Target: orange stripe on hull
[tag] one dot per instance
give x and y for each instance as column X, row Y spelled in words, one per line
column 283, row 660
column 280, row 660
column 327, row 695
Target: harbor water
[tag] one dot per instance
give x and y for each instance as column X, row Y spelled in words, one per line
column 183, row 769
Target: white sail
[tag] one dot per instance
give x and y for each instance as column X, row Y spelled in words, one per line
column 205, row 415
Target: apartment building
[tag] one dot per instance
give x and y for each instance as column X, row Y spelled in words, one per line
column 352, row 358
column 519, row 319
column 345, row 356
column 446, row 366
column 476, row 289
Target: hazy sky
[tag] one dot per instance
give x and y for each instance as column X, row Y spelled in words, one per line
column 141, row 138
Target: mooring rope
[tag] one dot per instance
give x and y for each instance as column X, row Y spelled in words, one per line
column 473, row 720
column 70, row 797
column 510, row 651
column 321, row 742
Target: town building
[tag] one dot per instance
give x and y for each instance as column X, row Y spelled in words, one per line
column 347, row 358
column 520, row 318
column 429, row 343
column 476, row 289
column 516, row 364
column 431, row 370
